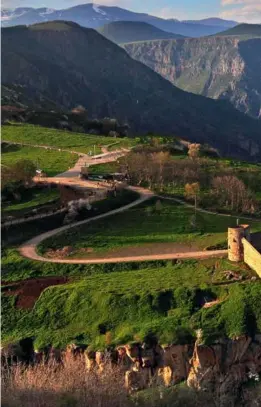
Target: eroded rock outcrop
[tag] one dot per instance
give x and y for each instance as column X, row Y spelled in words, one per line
column 218, row 67
column 220, row 368
column 223, row 367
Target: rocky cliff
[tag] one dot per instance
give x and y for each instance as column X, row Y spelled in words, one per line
column 225, row 67
column 68, row 65
column 220, row 370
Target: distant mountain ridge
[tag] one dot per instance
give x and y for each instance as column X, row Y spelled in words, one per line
column 95, row 16
column 66, row 65
column 221, row 67
column 252, row 30
column 132, row 31
column 213, row 21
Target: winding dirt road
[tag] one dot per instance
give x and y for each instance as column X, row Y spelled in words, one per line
column 71, row 177
column 29, row 248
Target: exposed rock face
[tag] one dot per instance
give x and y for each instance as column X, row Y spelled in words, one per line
column 219, row 369
column 225, row 366
column 82, row 67
column 216, row 67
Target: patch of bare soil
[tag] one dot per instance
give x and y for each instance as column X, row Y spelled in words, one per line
column 142, row 250
column 28, row 291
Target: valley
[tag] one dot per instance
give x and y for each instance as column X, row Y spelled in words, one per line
column 220, row 67
column 131, row 208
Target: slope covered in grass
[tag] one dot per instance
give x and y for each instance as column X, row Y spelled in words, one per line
column 82, row 143
column 116, row 308
column 31, row 200
column 147, row 225
column 50, row 161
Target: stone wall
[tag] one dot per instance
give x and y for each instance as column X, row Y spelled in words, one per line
column 252, row 257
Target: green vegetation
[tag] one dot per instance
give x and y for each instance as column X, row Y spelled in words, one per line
column 80, row 142
column 104, row 168
column 30, row 201
column 120, row 307
column 147, row 224
column 50, row 161
column 121, row 89
column 22, row 232
column 245, row 30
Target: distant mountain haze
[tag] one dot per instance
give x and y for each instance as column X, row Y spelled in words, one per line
column 65, row 65
column 94, row 16
column 250, row 30
column 220, row 67
column 132, row 31
column 217, row 22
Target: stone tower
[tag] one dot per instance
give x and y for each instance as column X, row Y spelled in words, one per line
column 235, row 246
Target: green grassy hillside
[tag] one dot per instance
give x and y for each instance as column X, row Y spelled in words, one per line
column 147, row 227
column 50, row 161
column 83, row 143
column 121, row 307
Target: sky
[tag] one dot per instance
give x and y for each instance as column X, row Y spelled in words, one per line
column 239, row 10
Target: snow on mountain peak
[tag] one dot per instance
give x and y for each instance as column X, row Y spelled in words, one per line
column 96, row 8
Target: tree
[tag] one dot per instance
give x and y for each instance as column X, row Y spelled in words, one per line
column 192, row 192
column 230, row 191
column 24, row 170
column 21, row 172
column 194, row 150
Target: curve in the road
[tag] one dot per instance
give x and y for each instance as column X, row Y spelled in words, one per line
column 29, row 248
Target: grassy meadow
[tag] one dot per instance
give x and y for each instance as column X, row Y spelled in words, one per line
column 80, row 142
column 50, row 161
column 30, row 201
column 119, row 307
column 148, row 225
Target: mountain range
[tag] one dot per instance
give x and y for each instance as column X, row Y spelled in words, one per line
column 62, row 64
column 225, row 66
column 94, row 16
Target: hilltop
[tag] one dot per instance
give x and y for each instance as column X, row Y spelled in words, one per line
column 71, row 65
column 132, row 31
column 251, row 30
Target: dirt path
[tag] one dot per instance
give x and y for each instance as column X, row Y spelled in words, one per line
column 180, row 201
column 71, row 177
column 28, row 249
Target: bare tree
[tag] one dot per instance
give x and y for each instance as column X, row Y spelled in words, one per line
column 192, row 192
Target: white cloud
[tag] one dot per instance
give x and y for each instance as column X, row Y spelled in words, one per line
column 248, row 11
column 235, row 2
